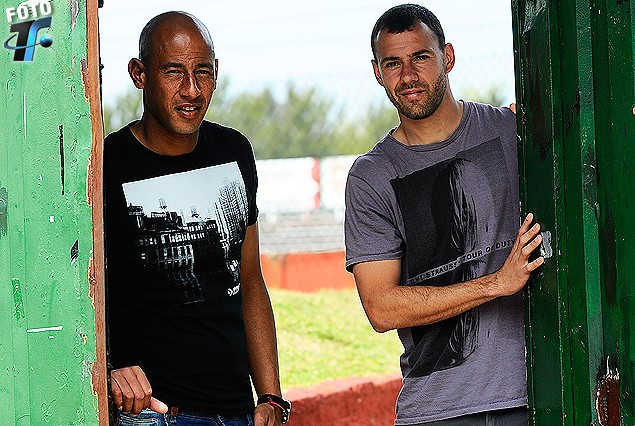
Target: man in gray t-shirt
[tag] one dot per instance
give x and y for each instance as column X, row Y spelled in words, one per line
column 432, row 238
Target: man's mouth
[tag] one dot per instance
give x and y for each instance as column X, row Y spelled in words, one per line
column 411, row 92
column 189, row 110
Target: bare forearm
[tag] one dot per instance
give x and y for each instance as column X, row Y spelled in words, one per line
column 261, row 340
column 409, row 306
column 389, row 305
column 260, row 329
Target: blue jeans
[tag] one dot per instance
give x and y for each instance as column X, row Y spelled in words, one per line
column 183, row 418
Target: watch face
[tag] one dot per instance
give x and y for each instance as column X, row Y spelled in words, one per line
column 286, row 405
column 285, row 413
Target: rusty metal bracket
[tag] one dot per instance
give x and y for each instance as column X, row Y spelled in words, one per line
column 607, row 397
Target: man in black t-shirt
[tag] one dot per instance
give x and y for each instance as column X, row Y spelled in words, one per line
column 189, row 316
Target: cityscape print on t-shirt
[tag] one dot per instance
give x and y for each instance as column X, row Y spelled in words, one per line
column 459, row 226
column 189, row 228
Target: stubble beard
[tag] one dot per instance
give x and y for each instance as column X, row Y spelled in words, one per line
column 418, row 110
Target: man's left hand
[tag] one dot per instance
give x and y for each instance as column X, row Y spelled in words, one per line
column 267, row 415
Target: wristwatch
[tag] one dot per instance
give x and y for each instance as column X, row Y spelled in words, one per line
column 276, row 401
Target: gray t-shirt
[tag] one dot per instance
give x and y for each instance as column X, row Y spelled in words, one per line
column 450, row 212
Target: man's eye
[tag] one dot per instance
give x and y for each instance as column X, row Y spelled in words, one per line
column 422, row 57
column 390, row 64
column 175, row 71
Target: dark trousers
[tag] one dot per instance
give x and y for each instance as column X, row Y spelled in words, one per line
column 508, row 417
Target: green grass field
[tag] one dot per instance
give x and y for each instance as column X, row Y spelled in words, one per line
column 326, row 335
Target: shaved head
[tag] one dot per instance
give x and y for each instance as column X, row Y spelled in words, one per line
column 176, row 19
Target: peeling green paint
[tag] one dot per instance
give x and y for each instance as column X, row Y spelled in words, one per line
column 17, row 299
column 47, row 320
column 4, row 203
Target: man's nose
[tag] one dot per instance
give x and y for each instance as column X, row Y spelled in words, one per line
column 408, row 73
column 190, row 86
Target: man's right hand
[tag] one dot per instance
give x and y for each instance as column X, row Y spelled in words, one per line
column 131, row 391
column 515, row 272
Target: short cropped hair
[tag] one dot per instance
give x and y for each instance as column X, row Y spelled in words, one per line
column 145, row 39
column 402, row 18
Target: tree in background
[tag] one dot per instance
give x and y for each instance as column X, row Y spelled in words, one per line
column 127, row 107
column 299, row 122
column 493, row 95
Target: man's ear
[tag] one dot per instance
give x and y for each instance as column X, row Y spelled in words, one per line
column 377, row 73
column 137, row 72
column 448, row 52
column 215, row 73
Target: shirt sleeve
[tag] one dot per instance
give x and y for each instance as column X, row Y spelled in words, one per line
column 370, row 225
column 253, row 207
column 251, row 179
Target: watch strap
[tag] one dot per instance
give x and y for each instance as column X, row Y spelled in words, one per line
column 276, row 401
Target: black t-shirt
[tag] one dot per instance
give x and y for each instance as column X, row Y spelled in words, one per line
column 174, row 232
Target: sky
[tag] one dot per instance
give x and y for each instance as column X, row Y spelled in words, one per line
column 321, row 43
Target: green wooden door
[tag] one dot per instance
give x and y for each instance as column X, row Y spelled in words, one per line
column 575, row 94
column 51, row 343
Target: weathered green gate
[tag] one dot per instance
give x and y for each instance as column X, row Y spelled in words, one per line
column 52, row 365
column 575, row 91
